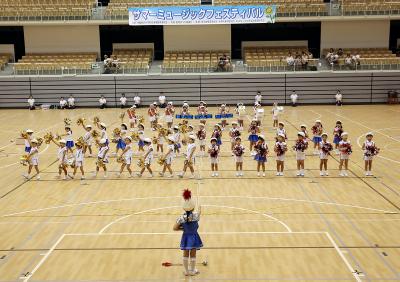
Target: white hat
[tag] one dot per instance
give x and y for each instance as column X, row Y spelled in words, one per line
column 129, row 138
column 103, row 124
column 344, row 133
column 29, row 131
column 281, row 135
column 103, row 141
column 261, row 137
column 124, row 124
column 318, row 121
column 88, row 126
column 133, row 107
column 192, row 137
column 234, row 123
column 201, row 124
column 218, row 125
column 301, row 133
column 171, row 138
column 169, row 103
column 281, row 122
column 191, row 126
column 213, row 139
column 188, row 204
column 324, row 134
column 176, row 127
column 147, row 140
column 369, row 134
column 62, row 141
column 303, row 125
column 34, row 141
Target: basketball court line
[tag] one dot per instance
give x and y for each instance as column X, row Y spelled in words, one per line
column 54, row 246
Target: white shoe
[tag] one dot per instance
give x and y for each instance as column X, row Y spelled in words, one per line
column 302, row 174
column 105, row 175
column 367, row 173
column 64, row 178
column 341, row 173
column 161, row 174
column 170, row 176
column 118, row 174
column 298, row 173
column 237, row 174
column 258, row 174
column 321, row 173
column 346, row 174
column 212, row 174
column 241, row 173
column 278, row 174
column 130, row 175
column 370, row 173
column 194, row 272
column 216, row 174
column 26, row 176
column 326, row 173
column 263, row 174
column 138, row 174
column 38, row 177
column 281, row 173
column 151, row 176
column 83, row 178
column 180, row 175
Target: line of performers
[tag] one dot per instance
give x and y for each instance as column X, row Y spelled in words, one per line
column 184, row 140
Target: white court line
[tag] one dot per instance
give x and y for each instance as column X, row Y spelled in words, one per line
column 330, row 239
column 228, row 207
column 216, row 196
column 41, row 152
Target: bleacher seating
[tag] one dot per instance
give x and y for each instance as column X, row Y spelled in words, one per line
column 4, row 60
column 182, row 61
column 134, row 60
column 78, row 63
column 370, row 7
column 41, row 10
column 272, row 58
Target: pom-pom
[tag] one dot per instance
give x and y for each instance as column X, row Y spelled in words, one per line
column 187, row 194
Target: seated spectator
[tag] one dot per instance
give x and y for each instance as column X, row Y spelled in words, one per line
column 63, row 103
column 310, row 55
column 304, row 60
column 297, row 61
column 224, row 63
column 136, row 100
column 294, row 98
column 31, row 102
column 258, row 98
column 340, row 52
column 71, row 102
column 329, row 55
column 162, row 100
column 348, row 62
column 338, row 98
column 107, row 64
column 356, row 59
column 115, row 63
column 290, row 59
column 123, row 100
column 103, row 102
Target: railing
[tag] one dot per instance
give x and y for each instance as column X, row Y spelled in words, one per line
column 194, row 68
column 368, row 64
column 281, row 66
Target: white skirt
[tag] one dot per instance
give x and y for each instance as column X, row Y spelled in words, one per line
column 78, row 163
column 323, row 156
column 214, row 160
column 239, row 159
column 344, row 156
column 280, row 158
column 169, row 160
column 300, row 156
column 169, row 118
column 148, row 160
column 128, row 160
column 34, row 162
column 202, row 142
column 368, row 158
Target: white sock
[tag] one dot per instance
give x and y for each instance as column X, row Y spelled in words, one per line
column 192, row 264
column 186, row 264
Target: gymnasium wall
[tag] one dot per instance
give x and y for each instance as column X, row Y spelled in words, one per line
column 197, row 37
column 356, row 33
column 315, row 88
column 13, row 35
column 58, row 39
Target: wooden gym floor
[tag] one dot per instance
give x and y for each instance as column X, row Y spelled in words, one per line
column 254, row 229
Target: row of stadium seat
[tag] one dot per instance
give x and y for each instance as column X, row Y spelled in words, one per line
column 137, row 60
column 4, row 60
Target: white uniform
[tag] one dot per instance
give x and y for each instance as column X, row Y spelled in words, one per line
column 258, row 99
column 149, row 159
column 69, row 136
column 103, row 154
column 102, row 101
column 31, row 102
column 71, row 101
column 62, row 156
column 301, row 155
column 136, row 100
column 170, row 156
column 34, row 159
column 294, row 98
column 87, row 138
column 281, row 131
column 275, row 113
column 128, row 154
column 63, row 103
column 368, row 144
column 190, row 148
column 322, row 155
column 177, row 137
column 79, row 156
column 343, row 155
column 281, row 157
column 214, row 160
column 123, row 101
column 104, row 134
column 27, row 144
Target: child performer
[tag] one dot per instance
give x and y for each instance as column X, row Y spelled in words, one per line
column 280, row 150
column 79, row 157
column 254, row 130
column 148, row 157
column 152, row 113
column 281, row 130
column 233, row 133
column 324, row 151
column 258, row 113
column 169, row 157
column 261, row 155
column 345, row 151
column 87, row 138
column 160, row 138
column 370, row 150
column 126, row 157
column 300, row 147
column 141, row 137
column 238, row 151
column 223, row 110
column 62, row 158
column 217, row 134
column 121, row 138
column 27, row 140
column 169, row 114
column 317, row 130
column 33, row 159
column 191, row 241
column 240, row 112
column 190, row 157
column 201, row 135
column 337, row 132
column 102, row 157
column 185, row 109
column 213, row 150
column 303, row 128
column 132, row 116
column 275, row 113
column 103, row 128
column 177, row 138
column 202, row 108
column 69, row 139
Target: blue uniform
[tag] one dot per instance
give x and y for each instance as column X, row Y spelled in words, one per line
column 190, row 237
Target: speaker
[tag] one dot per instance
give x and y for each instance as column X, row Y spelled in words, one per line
column 206, row 2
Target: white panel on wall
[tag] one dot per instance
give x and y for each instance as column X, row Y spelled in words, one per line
column 56, row 39
column 197, row 37
column 355, row 34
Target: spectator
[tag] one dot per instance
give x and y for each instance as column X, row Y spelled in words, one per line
column 103, row 102
column 356, row 59
column 338, row 98
column 340, row 52
column 329, row 55
column 258, row 98
column 310, row 55
column 298, row 61
column 290, row 59
column 31, row 102
column 63, row 103
column 348, row 61
column 294, row 98
column 107, row 64
column 224, row 63
column 162, row 100
column 123, row 100
column 304, row 60
column 71, row 102
column 115, row 63
column 136, row 100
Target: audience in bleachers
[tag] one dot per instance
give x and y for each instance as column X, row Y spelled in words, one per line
column 224, row 63
column 31, row 102
column 63, row 103
column 123, row 100
column 102, row 102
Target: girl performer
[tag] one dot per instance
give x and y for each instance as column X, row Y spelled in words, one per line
column 33, row 159
column 121, row 138
column 223, row 110
column 275, row 113
column 337, row 132
column 201, row 135
column 370, row 150
column 217, row 134
column 141, row 137
column 69, row 139
column 261, row 155
column 62, row 158
column 102, row 157
column 238, row 151
column 169, row 114
column 281, row 130
column 202, row 108
column 79, row 157
column 280, row 150
column 240, row 112
column 317, row 130
column 190, row 157
column 148, row 157
column 185, row 109
column 191, row 241
column 213, row 150
column 132, row 116
column 103, row 128
column 126, row 157
column 233, row 133
column 254, row 130
column 345, row 152
column 27, row 140
column 177, row 138
column 169, row 157
column 87, row 138
column 160, row 138
column 324, row 151
column 152, row 113
column 303, row 128
column 300, row 147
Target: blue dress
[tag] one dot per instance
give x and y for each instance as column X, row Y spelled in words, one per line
column 190, row 237
column 121, row 144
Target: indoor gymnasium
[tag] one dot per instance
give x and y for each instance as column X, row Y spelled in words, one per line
column 194, row 140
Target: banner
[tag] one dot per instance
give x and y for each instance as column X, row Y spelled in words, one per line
column 192, row 15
